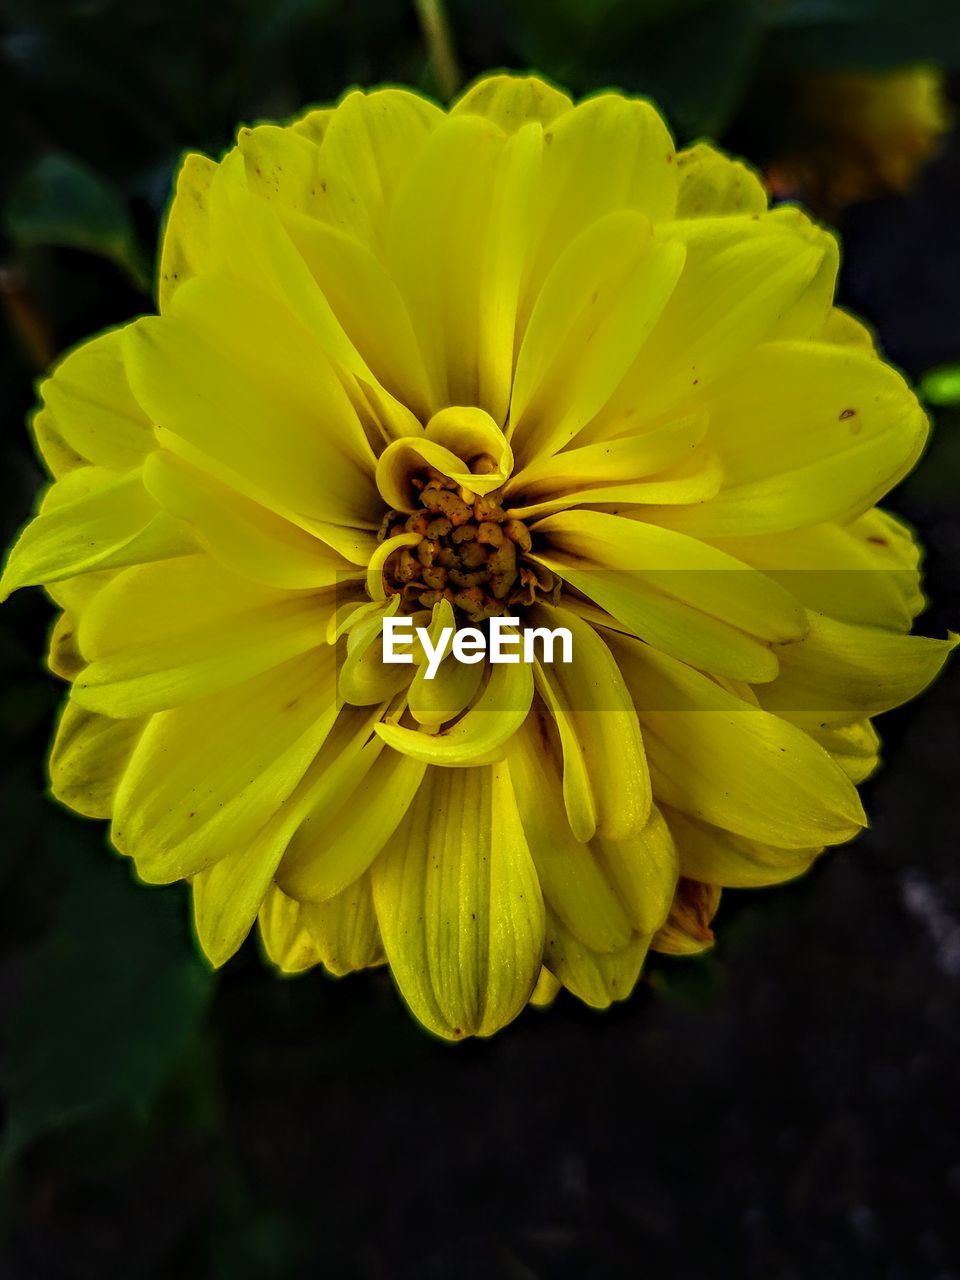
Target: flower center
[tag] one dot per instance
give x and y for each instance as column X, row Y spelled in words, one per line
column 470, row 553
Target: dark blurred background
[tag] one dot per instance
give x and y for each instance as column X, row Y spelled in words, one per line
column 786, row 1106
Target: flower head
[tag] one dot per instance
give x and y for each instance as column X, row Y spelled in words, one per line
column 522, row 359
column 860, row 134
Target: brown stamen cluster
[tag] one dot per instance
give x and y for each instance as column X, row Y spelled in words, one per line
column 470, row 552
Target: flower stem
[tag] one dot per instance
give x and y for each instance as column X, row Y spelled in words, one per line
column 436, row 33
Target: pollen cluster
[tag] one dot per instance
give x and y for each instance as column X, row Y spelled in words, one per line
column 471, row 552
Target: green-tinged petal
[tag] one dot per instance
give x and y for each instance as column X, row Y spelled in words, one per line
column 712, row 183
column 186, row 236
column 546, row 991
column 286, row 938
column 589, row 695
column 480, row 735
column 718, row 758
column 840, row 673
column 459, row 905
column 92, row 519
column 88, row 759
column 855, row 747
column 242, row 535
column 719, row 857
column 599, row 302
column 364, row 799
column 92, row 408
column 456, row 245
column 684, row 597
column 228, row 895
column 63, row 655
column 159, row 635
column 643, row 868
column 206, row 777
column 344, row 929
column 513, row 101
column 574, row 882
column 598, row 978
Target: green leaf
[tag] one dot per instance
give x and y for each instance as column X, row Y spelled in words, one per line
column 61, row 202
column 111, row 997
column 941, row 386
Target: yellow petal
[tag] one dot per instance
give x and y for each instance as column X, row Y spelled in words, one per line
column 597, row 305
column 367, row 303
column 513, row 101
column 618, row 461
column 456, row 246
column 840, row 673
column 459, row 906
column 480, row 735
column 163, row 634
column 92, row 519
column 643, row 868
column 344, row 929
column 718, row 758
column 286, row 938
column 186, row 235
column 590, row 695
column 608, row 153
column 855, row 747
column 712, row 183
column 228, row 895
column 237, row 378
column 453, row 439
column 364, row 679
column 454, row 686
column 598, row 978
column 88, row 759
column 687, row 598
column 205, row 778
column 574, row 882
column 313, row 124
column 720, row 857
column 546, row 990
column 371, row 142
column 865, row 572
column 739, row 278
column 92, row 408
column 366, row 793
column 245, row 537
column 806, row 432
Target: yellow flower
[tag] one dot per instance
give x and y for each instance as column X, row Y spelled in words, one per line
column 519, row 359
column 861, row 134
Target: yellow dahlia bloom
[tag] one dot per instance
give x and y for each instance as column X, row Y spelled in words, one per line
column 522, row 359
column 862, row 133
